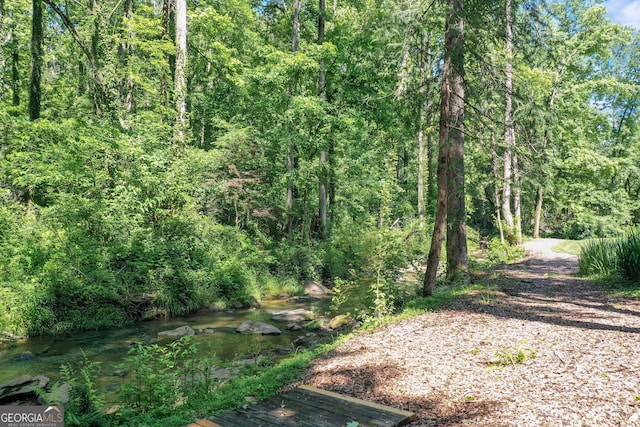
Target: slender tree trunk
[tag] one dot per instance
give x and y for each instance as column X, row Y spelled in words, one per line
column 403, row 75
column 82, row 79
column 433, row 259
column 331, row 180
column 430, row 148
column 516, row 200
column 15, row 71
column 451, row 137
column 509, row 133
column 3, row 59
column 168, row 32
column 545, row 142
column 538, row 213
column 97, row 98
column 295, row 33
column 180, row 82
column 496, row 191
column 322, row 93
column 290, row 191
column 457, row 258
column 421, row 124
column 37, row 54
column 125, row 52
column 324, row 225
column 322, row 89
column 291, row 161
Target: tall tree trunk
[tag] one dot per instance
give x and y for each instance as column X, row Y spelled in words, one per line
column 457, row 258
column 15, row 71
column 180, row 82
column 430, row 148
column 82, row 79
column 97, row 98
column 451, row 138
column 168, row 32
column 545, row 142
column 509, row 133
column 496, row 176
column 36, row 60
column 421, row 125
column 6, row 41
column 516, row 200
column 125, row 52
column 538, row 213
column 403, row 76
column 295, row 32
column 290, row 191
column 322, row 93
column 291, row 161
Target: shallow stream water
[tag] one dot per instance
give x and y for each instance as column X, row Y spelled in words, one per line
column 111, row 346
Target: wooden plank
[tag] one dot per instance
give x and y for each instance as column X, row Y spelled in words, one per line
column 350, row 409
column 311, row 415
column 206, row 423
column 231, row 419
column 308, row 406
column 410, row 415
column 341, row 412
column 270, row 412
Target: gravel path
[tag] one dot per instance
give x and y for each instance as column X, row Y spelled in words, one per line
column 451, row 367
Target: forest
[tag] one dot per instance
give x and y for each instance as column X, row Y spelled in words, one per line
column 162, row 156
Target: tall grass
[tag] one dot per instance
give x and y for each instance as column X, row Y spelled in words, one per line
column 612, row 257
column 629, row 256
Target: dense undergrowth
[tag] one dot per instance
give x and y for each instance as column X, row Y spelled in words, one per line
column 99, row 228
column 616, row 259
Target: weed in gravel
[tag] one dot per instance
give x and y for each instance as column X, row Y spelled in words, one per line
column 506, row 356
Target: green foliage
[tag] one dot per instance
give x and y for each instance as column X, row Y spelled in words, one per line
column 86, row 403
column 506, row 356
column 612, row 257
column 362, row 250
column 503, row 253
column 628, row 251
column 598, row 258
column 299, row 261
column 161, row 377
column 98, row 211
column 259, row 383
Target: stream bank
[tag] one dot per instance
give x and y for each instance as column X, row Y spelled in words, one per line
column 215, row 333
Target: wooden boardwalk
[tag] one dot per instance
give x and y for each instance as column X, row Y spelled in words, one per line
column 307, row 406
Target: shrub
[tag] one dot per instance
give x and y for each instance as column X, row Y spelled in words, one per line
column 86, row 403
column 612, row 257
column 628, row 253
column 158, row 376
column 303, row 262
column 503, row 253
column 598, row 258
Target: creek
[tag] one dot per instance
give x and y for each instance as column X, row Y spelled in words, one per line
column 111, row 346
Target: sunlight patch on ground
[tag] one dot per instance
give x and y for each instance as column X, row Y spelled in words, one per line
column 572, row 247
